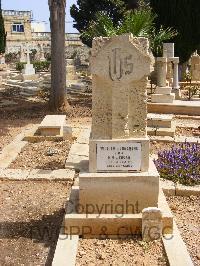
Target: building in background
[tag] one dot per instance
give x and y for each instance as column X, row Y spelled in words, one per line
column 17, row 25
column 38, row 27
column 22, row 30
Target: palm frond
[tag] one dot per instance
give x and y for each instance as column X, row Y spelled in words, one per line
column 101, row 26
column 139, row 23
column 158, row 37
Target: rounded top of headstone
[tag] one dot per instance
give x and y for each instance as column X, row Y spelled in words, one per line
column 120, row 58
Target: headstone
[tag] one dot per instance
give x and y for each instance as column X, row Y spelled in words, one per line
column 163, row 93
column 172, row 68
column 151, row 224
column 3, row 65
column 23, row 57
column 42, row 58
column 195, row 67
column 168, row 50
column 119, row 164
column 71, row 75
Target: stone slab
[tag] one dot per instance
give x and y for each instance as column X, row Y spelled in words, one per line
column 78, row 158
column 159, row 120
column 162, row 98
column 170, row 132
column 84, row 136
column 66, row 250
column 14, row 174
column 163, row 90
column 187, row 191
column 106, row 225
column 11, row 151
column 37, row 174
column 176, row 250
column 29, row 77
column 53, row 121
column 177, row 107
column 166, row 212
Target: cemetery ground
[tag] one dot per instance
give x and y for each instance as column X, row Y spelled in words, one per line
column 32, row 211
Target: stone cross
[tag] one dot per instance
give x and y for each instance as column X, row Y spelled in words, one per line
column 42, row 58
column 28, row 54
column 22, row 54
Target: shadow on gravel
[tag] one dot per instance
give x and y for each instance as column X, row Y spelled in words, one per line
column 44, row 231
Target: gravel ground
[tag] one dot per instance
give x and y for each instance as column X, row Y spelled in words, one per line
column 47, row 155
column 120, row 252
column 31, row 215
column 188, row 132
column 187, row 217
column 9, row 129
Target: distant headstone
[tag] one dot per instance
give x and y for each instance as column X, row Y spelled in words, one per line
column 28, row 72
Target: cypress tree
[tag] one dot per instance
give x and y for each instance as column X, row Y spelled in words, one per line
column 184, row 16
column 2, row 33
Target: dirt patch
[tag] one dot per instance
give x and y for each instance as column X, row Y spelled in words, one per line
column 187, row 217
column 47, row 155
column 120, row 252
column 31, row 215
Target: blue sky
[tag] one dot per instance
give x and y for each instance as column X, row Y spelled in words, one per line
column 40, row 10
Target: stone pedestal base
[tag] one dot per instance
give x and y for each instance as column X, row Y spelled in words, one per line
column 119, row 192
column 29, row 77
column 163, row 98
column 28, row 70
column 163, row 90
column 177, row 93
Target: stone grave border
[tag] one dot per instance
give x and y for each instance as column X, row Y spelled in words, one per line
column 10, row 152
column 177, row 108
column 77, row 161
column 173, row 247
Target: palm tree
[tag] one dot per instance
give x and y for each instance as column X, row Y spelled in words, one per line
column 140, row 23
column 58, row 101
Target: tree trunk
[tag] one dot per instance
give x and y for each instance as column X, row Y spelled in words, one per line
column 58, row 101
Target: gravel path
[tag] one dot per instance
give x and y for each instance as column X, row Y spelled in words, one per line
column 47, row 155
column 31, row 215
column 187, row 217
column 120, row 252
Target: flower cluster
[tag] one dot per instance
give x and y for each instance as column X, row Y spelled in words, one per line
column 180, row 164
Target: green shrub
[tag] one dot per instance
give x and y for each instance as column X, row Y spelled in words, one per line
column 11, row 57
column 41, row 66
column 20, row 66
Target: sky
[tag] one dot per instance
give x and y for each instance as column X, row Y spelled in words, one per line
column 40, row 10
